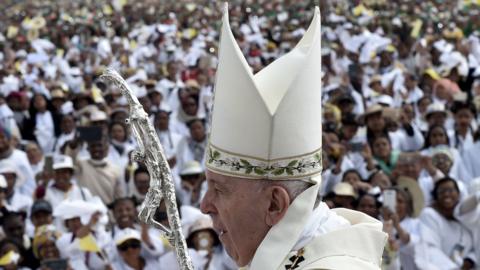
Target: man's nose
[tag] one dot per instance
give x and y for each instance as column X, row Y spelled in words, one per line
column 206, row 205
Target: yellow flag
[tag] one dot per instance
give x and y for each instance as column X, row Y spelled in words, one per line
column 417, row 26
column 165, row 242
column 10, row 257
column 358, row 10
column 88, row 243
column 133, row 44
column 60, row 52
column 107, row 10
column 12, row 31
column 97, row 95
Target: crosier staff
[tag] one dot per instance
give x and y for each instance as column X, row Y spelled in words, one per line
column 161, row 182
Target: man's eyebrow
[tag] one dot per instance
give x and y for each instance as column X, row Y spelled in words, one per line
column 222, row 184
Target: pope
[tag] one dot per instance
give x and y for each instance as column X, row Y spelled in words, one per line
column 264, row 161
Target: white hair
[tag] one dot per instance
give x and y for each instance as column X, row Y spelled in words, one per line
column 293, row 187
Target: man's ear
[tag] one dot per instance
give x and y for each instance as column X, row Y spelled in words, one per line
column 279, row 200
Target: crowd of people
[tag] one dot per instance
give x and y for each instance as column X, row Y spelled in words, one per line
column 401, row 90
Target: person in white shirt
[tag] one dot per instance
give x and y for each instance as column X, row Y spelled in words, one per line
column 193, row 184
column 125, row 214
column 83, row 221
column 470, row 157
column 40, row 215
column 120, row 144
column 468, row 213
column 128, row 243
column 35, row 157
column 67, row 128
column 193, row 147
column 25, row 179
column 203, row 238
column 437, row 140
column 461, row 137
column 168, row 138
column 450, row 243
column 404, row 221
column 406, row 138
column 419, row 168
column 44, row 126
column 15, row 200
column 63, row 186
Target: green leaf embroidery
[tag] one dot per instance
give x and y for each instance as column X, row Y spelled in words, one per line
column 249, row 170
column 279, row 171
column 216, row 154
column 289, row 171
column 292, row 163
column 245, row 162
column 318, row 157
column 260, row 171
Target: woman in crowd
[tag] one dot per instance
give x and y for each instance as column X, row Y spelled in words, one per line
column 449, row 243
column 120, row 144
column 128, row 244
column 405, row 223
column 67, row 132
column 46, row 250
column 353, row 177
column 461, row 137
column 41, row 124
column 436, row 141
column 369, row 204
column 383, row 153
column 125, row 213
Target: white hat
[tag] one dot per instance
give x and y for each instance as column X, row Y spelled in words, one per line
column 75, row 71
column 62, row 162
column 84, row 210
column 191, row 168
column 126, row 234
column 268, row 125
column 7, row 166
column 344, row 189
column 98, row 115
column 3, row 182
column 435, row 108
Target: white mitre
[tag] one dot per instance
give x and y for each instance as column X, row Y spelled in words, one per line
column 268, row 125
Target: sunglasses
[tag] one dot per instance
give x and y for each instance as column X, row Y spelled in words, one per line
column 129, row 244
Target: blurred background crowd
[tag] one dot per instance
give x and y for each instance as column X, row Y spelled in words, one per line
column 401, row 91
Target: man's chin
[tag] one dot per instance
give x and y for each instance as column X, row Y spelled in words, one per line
column 230, row 249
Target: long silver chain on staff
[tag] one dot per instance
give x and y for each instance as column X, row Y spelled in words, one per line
column 161, row 183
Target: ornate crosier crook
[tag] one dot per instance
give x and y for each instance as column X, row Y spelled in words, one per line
column 161, row 182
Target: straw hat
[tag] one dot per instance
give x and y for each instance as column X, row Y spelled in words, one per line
column 411, row 186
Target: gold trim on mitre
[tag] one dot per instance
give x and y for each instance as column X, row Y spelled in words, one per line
column 267, row 125
column 224, row 162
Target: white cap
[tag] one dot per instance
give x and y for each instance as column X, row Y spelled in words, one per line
column 191, row 168
column 268, row 125
column 126, row 234
column 62, row 162
column 435, row 108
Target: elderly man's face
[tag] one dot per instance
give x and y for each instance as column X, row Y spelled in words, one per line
column 238, row 208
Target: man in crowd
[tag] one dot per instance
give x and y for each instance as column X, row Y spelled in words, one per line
column 263, row 160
